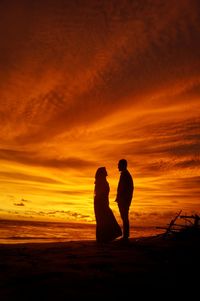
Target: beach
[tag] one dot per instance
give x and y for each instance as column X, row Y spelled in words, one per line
column 77, row 269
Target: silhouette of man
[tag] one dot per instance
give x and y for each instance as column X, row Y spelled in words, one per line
column 124, row 195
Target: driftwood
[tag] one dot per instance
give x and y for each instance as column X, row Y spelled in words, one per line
column 195, row 218
column 171, row 225
column 192, row 220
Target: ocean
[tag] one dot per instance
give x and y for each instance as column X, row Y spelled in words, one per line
column 18, row 231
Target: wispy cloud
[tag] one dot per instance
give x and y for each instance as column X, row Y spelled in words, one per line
column 27, row 178
column 35, row 159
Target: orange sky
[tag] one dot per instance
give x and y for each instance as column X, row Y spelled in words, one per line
column 86, row 83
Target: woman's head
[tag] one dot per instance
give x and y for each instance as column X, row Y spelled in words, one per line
column 101, row 173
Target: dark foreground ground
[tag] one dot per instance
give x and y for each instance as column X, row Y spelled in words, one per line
column 83, row 269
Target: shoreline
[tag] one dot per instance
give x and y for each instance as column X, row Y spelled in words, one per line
column 61, row 270
column 46, row 240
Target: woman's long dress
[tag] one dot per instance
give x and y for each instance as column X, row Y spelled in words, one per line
column 107, row 227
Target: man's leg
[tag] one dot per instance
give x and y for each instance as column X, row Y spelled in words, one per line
column 124, row 215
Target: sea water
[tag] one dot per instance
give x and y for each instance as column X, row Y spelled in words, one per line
column 18, row 231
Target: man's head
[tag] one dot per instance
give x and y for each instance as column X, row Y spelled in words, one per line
column 122, row 165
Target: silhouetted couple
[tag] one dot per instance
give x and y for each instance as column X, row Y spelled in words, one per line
column 107, row 227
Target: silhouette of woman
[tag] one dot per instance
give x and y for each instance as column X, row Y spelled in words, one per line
column 107, row 227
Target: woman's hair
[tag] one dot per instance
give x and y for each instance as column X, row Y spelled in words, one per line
column 101, row 173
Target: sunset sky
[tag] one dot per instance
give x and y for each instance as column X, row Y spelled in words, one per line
column 86, row 83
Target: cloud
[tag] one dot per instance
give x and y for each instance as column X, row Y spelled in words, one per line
column 66, row 214
column 189, row 182
column 154, row 218
column 91, row 60
column 84, row 84
column 63, row 213
column 176, row 138
column 28, row 178
column 24, row 201
column 160, row 167
column 19, row 204
column 72, row 192
column 188, row 164
column 32, row 158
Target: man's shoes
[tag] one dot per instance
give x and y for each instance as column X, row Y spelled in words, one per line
column 124, row 240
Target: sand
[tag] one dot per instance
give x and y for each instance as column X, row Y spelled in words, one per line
column 83, row 269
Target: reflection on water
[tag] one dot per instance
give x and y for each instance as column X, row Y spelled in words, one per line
column 33, row 231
